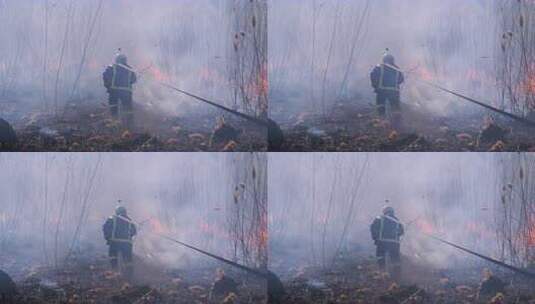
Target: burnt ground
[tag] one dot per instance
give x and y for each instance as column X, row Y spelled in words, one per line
column 357, row 279
column 87, row 126
column 90, row 280
column 355, row 126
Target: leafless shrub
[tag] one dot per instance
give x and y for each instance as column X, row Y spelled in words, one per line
column 516, row 57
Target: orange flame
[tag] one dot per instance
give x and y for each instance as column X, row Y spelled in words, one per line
column 93, row 64
column 425, row 226
column 530, row 85
column 158, row 227
column 425, row 74
column 213, row 231
column 531, row 232
column 159, row 75
column 531, row 236
column 263, row 82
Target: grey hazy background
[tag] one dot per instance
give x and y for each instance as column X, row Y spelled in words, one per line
column 54, row 52
column 321, row 204
column 53, row 205
column 322, row 52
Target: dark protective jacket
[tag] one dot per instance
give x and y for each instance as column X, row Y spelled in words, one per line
column 7, row 134
column 8, row 289
column 385, row 77
column 386, row 228
column 119, row 229
column 117, row 77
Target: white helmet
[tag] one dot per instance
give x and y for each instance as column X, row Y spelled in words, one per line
column 121, row 58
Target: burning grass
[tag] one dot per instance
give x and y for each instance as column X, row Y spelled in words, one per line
column 356, row 127
column 89, row 127
column 356, row 279
column 90, row 280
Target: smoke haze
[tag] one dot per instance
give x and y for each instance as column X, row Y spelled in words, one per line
column 323, row 51
column 321, row 205
column 56, row 51
column 54, row 205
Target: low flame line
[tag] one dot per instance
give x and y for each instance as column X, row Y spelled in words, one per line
column 489, row 107
column 499, row 263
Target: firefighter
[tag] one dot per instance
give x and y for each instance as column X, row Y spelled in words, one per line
column 386, row 232
column 386, row 79
column 118, row 80
column 119, row 232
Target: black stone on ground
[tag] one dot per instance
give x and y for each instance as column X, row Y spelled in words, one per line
column 8, row 289
column 275, row 136
column 223, row 286
column 491, row 286
column 275, row 289
column 492, row 133
column 224, row 133
column 8, row 138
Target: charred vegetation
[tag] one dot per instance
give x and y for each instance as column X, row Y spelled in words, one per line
column 465, row 238
column 56, row 241
column 52, row 87
column 462, row 65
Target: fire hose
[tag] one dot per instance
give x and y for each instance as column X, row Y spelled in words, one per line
column 229, row 262
column 275, row 288
column 275, row 135
column 253, row 271
column 489, row 259
column 469, row 99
